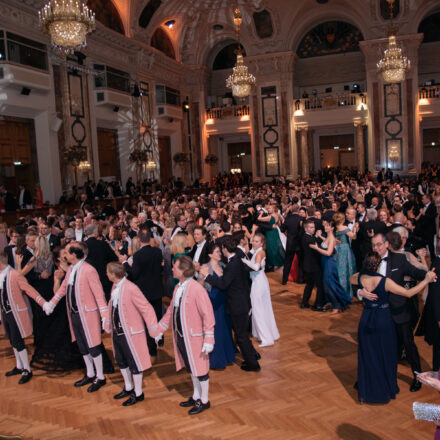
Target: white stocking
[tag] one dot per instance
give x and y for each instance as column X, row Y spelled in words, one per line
column 197, row 388
column 17, row 359
column 138, row 383
column 88, row 360
column 205, row 389
column 98, row 367
column 24, row 359
column 128, row 383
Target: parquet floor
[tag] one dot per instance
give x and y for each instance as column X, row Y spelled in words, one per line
column 304, row 391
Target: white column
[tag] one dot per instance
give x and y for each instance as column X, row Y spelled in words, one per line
column 304, row 153
column 360, row 148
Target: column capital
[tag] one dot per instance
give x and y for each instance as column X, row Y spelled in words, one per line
column 359, row 123
column 301, row 127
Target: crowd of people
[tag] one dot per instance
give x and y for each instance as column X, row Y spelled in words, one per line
column 349, row 236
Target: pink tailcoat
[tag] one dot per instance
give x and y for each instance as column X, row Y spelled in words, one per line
column 134, row 310
column 197, row 318
column 90, row 300
column 16, row 285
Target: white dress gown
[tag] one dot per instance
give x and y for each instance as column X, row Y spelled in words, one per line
column 264, row 327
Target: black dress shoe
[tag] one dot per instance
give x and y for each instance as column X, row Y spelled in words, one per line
column 14, row 372
column 122, row 394
column 84, row 381
column 26, row 376
column 415, row 386
column 188, row 403
column 133, row 399
column 318, row 309
column 246, row 367
column 304, row 306
column 96, row 385
column 199, row 407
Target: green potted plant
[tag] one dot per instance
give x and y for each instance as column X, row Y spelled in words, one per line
column 211, row 159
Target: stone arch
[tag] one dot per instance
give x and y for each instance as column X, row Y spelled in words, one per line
column 427, row 8
column 320, row 15
column 430, row 27
column 147, row 13
column 161, row 41
column 329, row 38
column 217, row 48
column 107, row 14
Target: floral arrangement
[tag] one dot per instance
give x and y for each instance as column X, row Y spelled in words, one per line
column 138, row 156
column 75, row 154
column 181, row 158
column 211, row 159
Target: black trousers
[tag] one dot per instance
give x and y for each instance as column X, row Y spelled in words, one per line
column 240, row 325
column 290, row 255
column 12, row 331
column 405, row 337
column 123, row 355
column 157, row 306
column 80, row 337
column 314, row 279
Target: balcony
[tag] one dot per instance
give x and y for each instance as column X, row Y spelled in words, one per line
column 429, row 101
column 331, row 109
column 224, row 120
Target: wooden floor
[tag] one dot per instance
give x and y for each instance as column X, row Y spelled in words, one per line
column 304, row 391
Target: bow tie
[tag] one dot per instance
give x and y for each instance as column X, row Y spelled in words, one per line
column 384, row 259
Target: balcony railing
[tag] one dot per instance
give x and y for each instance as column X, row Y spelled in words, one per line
column 236, row 111
column 429, row 92
column 330, row 102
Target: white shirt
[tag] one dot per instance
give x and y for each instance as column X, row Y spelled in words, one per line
column 116, row 292
column 383, row 265
column 3, row 275
column 176, row 231
column 179, row 292
column 198, row 251
column 231, row 257
column 73, row 272
column 78, row 234
column 30, row 250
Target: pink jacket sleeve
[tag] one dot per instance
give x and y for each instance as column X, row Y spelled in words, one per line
column 29, row 290
column 97, row 290
column 62, row 290
column 147, row 312
column 204, row 306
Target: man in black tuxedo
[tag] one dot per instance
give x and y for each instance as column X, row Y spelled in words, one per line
column 426, row 222
column 24, row 198
column 146, row 273
column 99, row 254
column 52, row 239
column 180, row 225
column 368, row 229
column 292, row 225
column 235, row 283
column 199, row 252
column 12, row 247
column 312, row 269
column 395, row 266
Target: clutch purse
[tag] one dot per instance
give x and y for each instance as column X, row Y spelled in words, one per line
column 426, row 411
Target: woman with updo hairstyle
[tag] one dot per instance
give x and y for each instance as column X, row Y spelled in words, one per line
column 346, row 260
column 377, row 349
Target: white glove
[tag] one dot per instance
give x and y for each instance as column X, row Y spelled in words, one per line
column 253, row 266
column 207, row 348
column 158, row 338
column 103, row 320
column 48, row 308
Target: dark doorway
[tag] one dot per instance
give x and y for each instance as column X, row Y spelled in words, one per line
column 108, row 153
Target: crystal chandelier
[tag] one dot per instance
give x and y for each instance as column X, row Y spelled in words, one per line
column 151, row 165
column 67, row 22
column 84, row 166
column 241, row 82
column 393, row 65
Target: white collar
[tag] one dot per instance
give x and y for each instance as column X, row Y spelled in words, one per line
column 30, row 250
column 75, row 267
column 231, row 257
column 201, row 244
column 116, row 292
column 3, row 275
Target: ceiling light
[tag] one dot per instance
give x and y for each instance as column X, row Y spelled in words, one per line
column 170, row 23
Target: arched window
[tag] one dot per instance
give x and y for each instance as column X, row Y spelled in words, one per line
column 148, row 12
column 263, row 24
column 330, row 38
column 430, row 27
column 107, row 14
column 227, row 57
column 161, row 41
